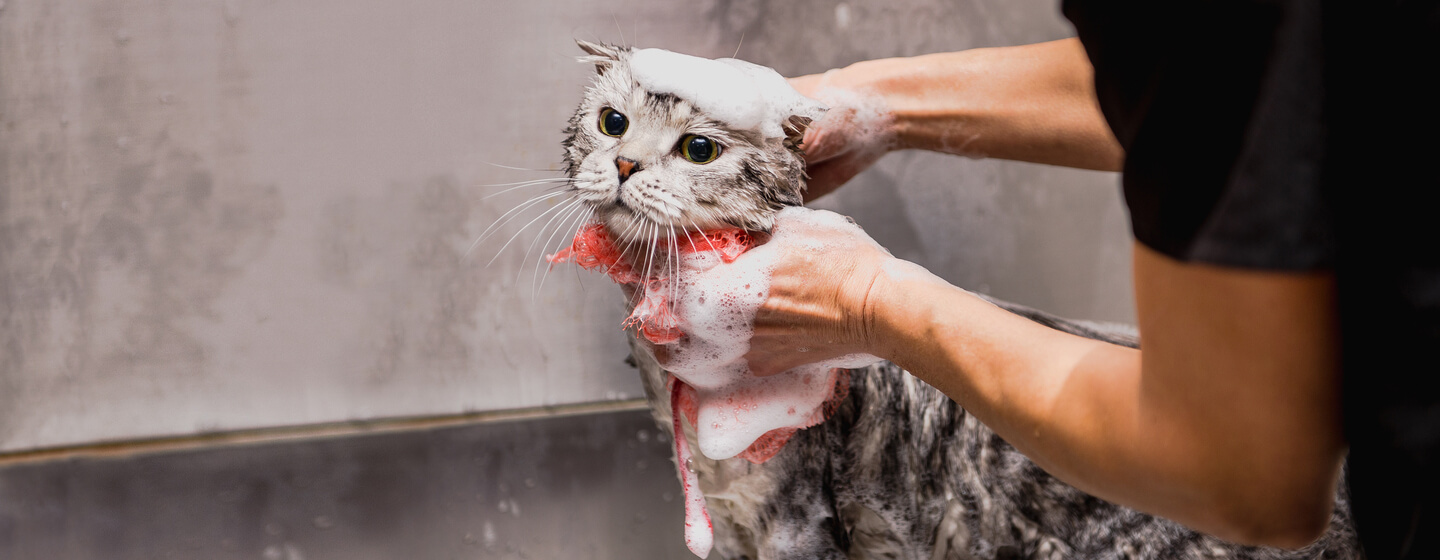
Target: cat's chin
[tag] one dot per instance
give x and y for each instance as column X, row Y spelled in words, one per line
column 626, row 225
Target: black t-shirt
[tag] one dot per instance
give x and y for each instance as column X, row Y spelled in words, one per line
column 1301, row 135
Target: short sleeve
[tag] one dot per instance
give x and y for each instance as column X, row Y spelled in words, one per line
column 1218, row 106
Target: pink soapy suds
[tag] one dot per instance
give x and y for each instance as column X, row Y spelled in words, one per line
column 698, row 540
column 653, row 316
column 774, row 440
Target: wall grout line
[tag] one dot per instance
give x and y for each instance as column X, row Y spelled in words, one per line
column 125, row 448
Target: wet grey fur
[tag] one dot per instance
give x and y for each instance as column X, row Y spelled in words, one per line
column 899, row 471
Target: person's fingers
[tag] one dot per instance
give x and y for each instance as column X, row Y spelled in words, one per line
column 822, row 142
column 765, row 364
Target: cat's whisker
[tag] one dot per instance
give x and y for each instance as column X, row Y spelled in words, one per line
column 618, row 30
column 629, row 240
column 509, row 216
column 705, row 237
column 527, row 182
column 580, row 219
column 575, row 209
column 674, row 269
column 690, row 238
column 521, row 168
column 567, row 209
column 559, row 209
column 665, row 272
column 650, row 260
column 522, row 230
column 646, row 241
column 528, row 185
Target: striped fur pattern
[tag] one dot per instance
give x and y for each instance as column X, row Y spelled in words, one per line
column 900, row 471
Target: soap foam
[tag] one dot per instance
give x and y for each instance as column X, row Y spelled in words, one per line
column 715, row 306
column 743, row 95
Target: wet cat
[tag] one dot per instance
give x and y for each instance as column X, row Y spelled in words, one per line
column 897, row 470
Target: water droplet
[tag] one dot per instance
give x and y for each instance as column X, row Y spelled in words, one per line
column 471, row 539
column 322, row 522
column 503, row 506
column 667, row 496
column 690, row 465
column 514, row 508
column 529, row 483
column 643, row 436
column 489, row 535
column 274, row 529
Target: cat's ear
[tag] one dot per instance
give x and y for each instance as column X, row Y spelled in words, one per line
column 603, row 56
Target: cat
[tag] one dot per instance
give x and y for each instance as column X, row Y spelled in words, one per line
column 898, row 470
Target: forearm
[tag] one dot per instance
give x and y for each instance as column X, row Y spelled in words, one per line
column 1241, row 450
column 1031, row 103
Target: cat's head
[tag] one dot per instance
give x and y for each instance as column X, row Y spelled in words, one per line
column 641, row 158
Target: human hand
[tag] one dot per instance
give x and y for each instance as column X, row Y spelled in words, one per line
column 820, row 269
column 818, row 306
column 855, row 133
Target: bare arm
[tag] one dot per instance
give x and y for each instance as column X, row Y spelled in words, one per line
column 1228, row 421
column 1031, row 103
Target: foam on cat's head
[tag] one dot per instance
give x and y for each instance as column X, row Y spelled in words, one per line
column 743, row 95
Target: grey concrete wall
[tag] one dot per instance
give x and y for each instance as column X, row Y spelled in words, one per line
column 225, row 214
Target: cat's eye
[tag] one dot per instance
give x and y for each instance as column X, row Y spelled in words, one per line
column 612, row 123
column 699, row 149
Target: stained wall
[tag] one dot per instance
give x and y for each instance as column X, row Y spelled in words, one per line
column 231, row 214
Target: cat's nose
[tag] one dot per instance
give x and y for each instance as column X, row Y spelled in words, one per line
column 626, row 166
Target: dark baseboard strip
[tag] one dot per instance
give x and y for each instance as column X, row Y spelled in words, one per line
column 307, row 431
